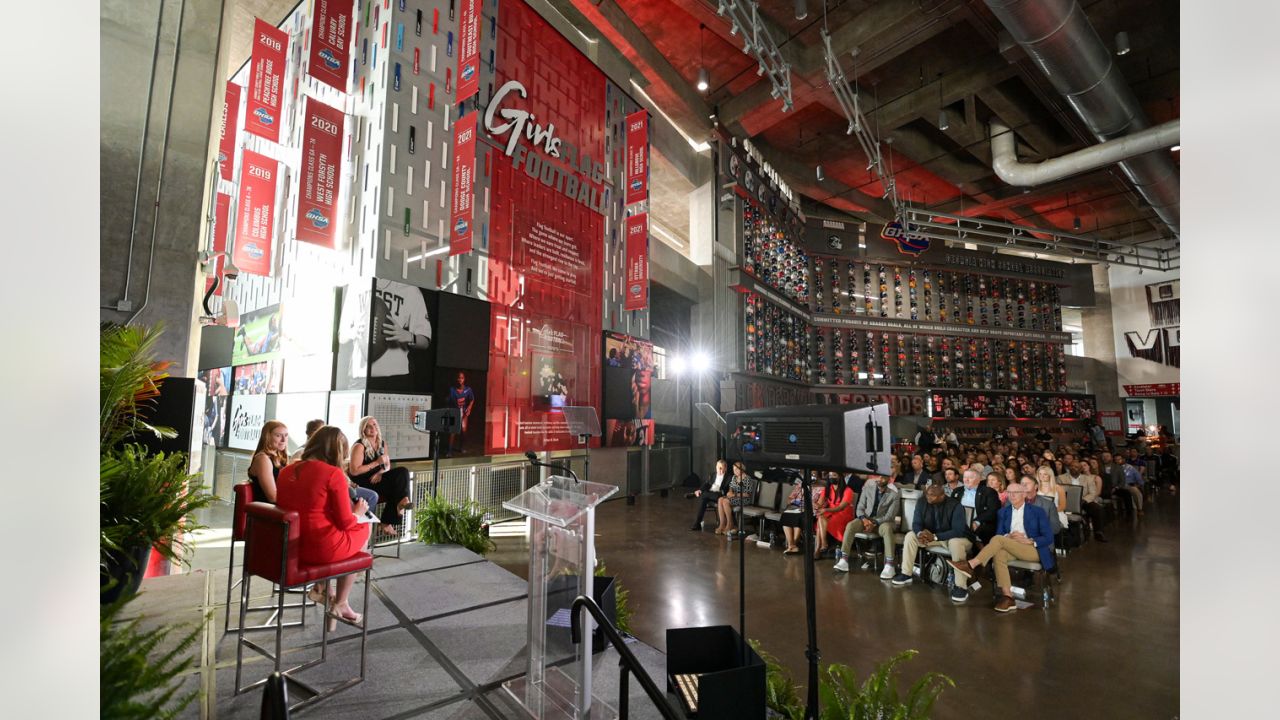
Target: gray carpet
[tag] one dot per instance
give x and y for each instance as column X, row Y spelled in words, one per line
column 446, row 628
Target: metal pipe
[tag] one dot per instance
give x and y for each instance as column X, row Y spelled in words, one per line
column 1004, row 154
column 1061, row 41
column 164, row 153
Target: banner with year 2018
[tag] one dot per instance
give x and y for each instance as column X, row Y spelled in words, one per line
column 330, row 54
column 266, row 81
column 462, row 206
column 256, row 213
column 320, row 177
column 637, row 267
column 637, row 156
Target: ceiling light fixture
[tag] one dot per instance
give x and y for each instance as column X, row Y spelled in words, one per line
column 943, row 123
column 704, row 76
column 821, row 175
column 1122, row 43
column 1075, row 224
column 802, row 9
column 1175, row 148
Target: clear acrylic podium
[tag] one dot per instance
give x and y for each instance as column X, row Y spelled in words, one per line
column 561, row 514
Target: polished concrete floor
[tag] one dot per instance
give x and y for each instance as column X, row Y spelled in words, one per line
column 1108, row 648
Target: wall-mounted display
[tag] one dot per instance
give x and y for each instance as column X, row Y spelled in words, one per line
column 248, row 413
column 295, row 410
column 394, row 413
column 958, row 404
column 778, row 342
column 258, row 378
column 628, row 378
column 345, row 410
column 217, row 398
column 465, row 390
column 385, row 337
column 260, row 336
column 772, row 256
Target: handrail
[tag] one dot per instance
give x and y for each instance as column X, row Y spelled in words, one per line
column 626, row 660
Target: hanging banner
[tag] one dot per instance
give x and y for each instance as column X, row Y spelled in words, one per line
column 266, row 81
column 468, row 50
column 230, row 122
column 221, row 217
column 320, row 177
column 256, row 213
column 331, row 42
column 464, row 194
column 637, row 156
column 637, row 266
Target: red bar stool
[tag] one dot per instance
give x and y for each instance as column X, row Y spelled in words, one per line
column 242, row 495
column 272, row 546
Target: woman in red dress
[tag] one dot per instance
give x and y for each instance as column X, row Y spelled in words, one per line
column 836, row 512
column 316, row 488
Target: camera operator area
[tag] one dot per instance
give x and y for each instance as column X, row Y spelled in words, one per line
column 707, row 359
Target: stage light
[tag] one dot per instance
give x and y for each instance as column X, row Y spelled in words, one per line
column 676, row 365
column 701, row 362
column 704, row 79
column 802, row 9
column 1122, row 43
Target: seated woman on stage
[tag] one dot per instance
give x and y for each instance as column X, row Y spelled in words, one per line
column 271, row 455
column 742, row 489
column 316, row 488
column 370, row 467
column 837, row 511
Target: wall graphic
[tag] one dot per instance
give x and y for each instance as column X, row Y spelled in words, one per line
column 248, row 413
column 1145, row 311
column 386, row 333
column 628, row 379
column 395, row 417
column 217, row 383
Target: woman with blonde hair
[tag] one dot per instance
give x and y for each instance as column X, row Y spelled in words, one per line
column 1047, row 486
column 269, row 458
column 316, row 488
column 370, row 467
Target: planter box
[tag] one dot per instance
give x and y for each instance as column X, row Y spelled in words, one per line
column 726, row 688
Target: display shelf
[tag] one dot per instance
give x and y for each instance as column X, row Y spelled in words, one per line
column 778, row 342
column 771, row 256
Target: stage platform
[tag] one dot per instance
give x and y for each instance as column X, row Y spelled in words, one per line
column 446, row 629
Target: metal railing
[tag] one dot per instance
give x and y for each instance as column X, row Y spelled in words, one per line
column 626, row 659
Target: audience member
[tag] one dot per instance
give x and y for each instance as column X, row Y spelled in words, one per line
column 917, row 476
column 1047, row 486
column 950, row 480
column 835, row 514
column 938, row 521
column 1023, row 533
column 742, row 489
column 793, row 516
column 709, row 494
column 1044, row 502
column 995, row 481
column 985, row 504
column 877, row 513
column 1133, row 484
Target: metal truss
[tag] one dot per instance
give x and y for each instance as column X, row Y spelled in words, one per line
column 848, row 100
column 745, row 18
column 1050, row 243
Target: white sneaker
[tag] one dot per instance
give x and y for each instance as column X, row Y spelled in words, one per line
column 842, row 565
column 887, row 572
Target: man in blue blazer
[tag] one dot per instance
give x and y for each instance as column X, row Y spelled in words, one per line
column 1023, row 533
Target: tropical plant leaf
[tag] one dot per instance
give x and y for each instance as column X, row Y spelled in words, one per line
column 135, row 682
column 148, row 499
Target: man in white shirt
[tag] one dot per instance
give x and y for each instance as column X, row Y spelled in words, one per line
column 1022, row 533
column 711, row 491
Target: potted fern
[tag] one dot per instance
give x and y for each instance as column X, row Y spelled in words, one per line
column 146, row 500
column 443, row 522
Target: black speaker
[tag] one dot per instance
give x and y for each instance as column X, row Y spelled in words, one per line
column 853, row 437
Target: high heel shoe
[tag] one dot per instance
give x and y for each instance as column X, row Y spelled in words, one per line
column 318, row 596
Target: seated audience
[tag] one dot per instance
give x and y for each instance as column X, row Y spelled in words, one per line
column 1022, row 533
column 709, row 494
column 950, row 480
column 1047, row 486
column 316, row 488
column 741, row 491
column 939, row 521
column 1133, row 484
column 1092, row 485
column 985, row 503
column 370, row 467
column 917, row 476
column 793, row 516
column 1044, row 502
column 836, row 512
column 995, row 481
column 877, row 512
column 269, row 458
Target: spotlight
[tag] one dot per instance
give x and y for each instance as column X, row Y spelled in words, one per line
column 704, row 79
column 1175, row 148
column 701, row 362
column 1122, row 43
column 943, row 123
column 676, row 365
column 821, row 176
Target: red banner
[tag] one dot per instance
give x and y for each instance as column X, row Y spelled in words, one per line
column 637, row 156
column 468, row 50
column 1154, row 390
column 331, row 43
column 637, row 267
column 266, row 81
column 464, row 193
column 320, row 177
column 221, row 216
column 256, row 213
column 230, row 121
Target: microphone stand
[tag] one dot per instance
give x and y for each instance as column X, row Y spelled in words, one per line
column 810, row 601
column 533, row 460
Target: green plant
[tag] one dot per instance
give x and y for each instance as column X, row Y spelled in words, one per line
column 131, row 683
column 443, row 522
column 148, row 499
column 129, row 383
column 842, row 698
column 621, row 597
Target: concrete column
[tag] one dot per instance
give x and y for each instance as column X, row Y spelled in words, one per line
column 1100, row 344
column 161, row 209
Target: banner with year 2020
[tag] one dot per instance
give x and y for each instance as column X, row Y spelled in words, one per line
column 266, row 81
column 320, row 176
column 256, row 213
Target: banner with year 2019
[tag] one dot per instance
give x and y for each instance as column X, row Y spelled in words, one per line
column 637, row 156
column 637, row 267
column 256, row 213
column 462, row 206
column 320, row 177
column 330, row 54
column 266, row 81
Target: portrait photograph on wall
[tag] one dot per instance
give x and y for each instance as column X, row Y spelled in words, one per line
column 386, row 336
column 259, row 378
column 260, row 336
column 628, row 377
column 465, row 390
column 217, row 396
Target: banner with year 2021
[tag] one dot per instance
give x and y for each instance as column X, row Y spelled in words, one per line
column 637, row 267
column 637, row 156
column 462, row 207
column 320, row 177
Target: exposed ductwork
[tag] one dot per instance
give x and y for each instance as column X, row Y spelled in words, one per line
column 1062, row 42
column 1004, row 155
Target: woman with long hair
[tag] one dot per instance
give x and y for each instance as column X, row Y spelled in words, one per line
column 742, row 488
column 370, row 467
column 1047, row 486
column 995, row 481
column 836, row 512
column 316, row 488
column 269, row 458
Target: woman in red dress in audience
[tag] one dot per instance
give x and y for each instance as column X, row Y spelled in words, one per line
column 316, row 488
column 836, row 512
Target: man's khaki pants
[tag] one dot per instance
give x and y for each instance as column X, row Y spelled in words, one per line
column 958, row 547
column 1001, row 550
column 885, row 531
